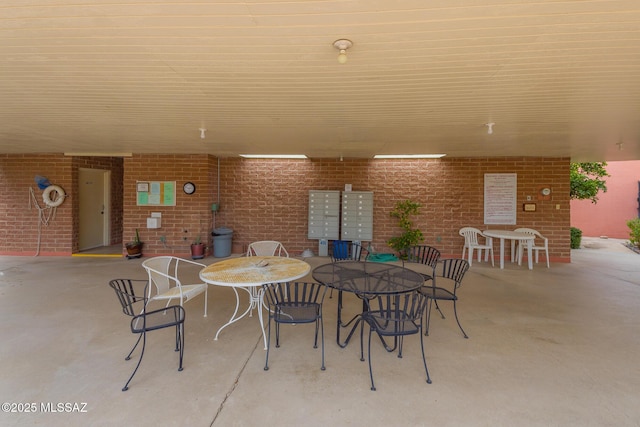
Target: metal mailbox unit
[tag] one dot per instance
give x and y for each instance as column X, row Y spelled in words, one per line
column 327, row 222
column 357, row 215
column 324, row 215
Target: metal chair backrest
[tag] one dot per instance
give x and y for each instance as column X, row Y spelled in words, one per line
column 162, row 273
column 129, row 296
column 427, row 255
column 403, row 307
column 267, row 248
column 294, row 293
column 453, row 269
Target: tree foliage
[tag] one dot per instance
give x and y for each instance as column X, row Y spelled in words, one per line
column 587, row 180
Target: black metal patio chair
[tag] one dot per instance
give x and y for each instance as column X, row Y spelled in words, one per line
column 450, row 270
column 132, row 296
column 395, row 315
column 294, row 303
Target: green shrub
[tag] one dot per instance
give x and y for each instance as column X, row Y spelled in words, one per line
column 634, row 235
column 411, row 236
column 576, row 238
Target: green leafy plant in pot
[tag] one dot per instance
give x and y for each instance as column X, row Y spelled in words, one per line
column 134, row 248
column 404, row 210
column 197, row 248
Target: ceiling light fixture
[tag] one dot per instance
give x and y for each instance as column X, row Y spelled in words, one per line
column 408, row 156
column 490, row 126
column 274, row 156
column 202, row 131
column 342, row 45
column 96, row 154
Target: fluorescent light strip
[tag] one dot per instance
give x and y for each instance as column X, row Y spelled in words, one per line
column 274, row 156
column 408, row 156
column 99, row 154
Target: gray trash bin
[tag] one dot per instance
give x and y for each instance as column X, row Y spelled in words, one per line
column 222, row 242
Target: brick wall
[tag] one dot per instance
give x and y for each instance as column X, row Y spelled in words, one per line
column 267, row 199
column 181, row 224
column 22, row 232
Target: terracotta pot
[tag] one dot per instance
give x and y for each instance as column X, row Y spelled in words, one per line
column 134, row 250
column 197, row 250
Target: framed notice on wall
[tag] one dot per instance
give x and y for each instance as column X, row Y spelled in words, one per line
column 500, row 193
column 158, row 193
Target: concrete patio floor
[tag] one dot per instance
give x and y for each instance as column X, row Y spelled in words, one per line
column 547, row 347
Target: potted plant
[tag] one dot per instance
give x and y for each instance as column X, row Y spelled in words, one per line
column 134, row 248
column 411, row 236
column 197, row 249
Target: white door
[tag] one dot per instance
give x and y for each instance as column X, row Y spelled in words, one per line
column 93, row 191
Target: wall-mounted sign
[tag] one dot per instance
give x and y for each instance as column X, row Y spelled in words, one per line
column 159, row 193
column 500, row 193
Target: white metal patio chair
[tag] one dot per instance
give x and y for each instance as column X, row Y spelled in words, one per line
column 165, row 272
column 267, row 248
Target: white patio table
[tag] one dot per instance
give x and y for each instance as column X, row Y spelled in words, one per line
column 512, row 235
column 249, row 274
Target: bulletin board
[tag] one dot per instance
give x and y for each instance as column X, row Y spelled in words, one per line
column 156, row 193
column 500, row 193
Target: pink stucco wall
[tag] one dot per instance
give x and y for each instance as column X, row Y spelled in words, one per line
column 619, row 204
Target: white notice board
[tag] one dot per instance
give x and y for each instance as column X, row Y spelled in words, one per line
column 500, row 193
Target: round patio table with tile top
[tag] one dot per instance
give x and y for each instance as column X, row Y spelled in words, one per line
column 249, row 274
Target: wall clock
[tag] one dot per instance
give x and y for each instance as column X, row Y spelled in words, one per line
column 544, row 193
column 189, row 188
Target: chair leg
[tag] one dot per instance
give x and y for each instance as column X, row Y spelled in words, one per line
column 362, row 341
column 144, row 341
column 322, row 367
column 456, row 314
column 315, row 339
column 424, row 359
column 177, row 338
column 427, row 315
column 435, row 301
column 181, row 341
column 373, row 387
column 399, row 344
column 134, row 347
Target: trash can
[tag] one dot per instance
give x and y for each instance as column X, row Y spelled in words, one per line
column 222, row 242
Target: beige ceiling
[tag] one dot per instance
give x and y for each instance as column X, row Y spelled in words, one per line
column 558, row 78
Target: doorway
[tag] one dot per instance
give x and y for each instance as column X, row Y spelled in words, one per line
column 93, row 219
